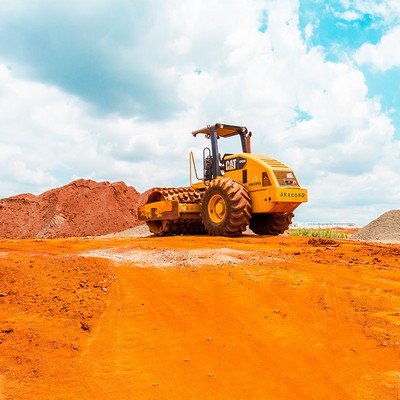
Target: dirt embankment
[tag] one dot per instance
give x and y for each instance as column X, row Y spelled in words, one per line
column 81, row 208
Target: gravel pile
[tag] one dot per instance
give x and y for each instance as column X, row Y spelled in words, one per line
column 137, row 231
column 385, row 228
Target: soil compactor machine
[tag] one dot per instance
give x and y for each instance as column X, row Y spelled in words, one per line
column 236, row 191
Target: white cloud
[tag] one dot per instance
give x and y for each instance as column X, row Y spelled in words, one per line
column 352, row 199
column 40, row 132
column 349, row 15
column 384, row 54
column 308, row 31
column 388, row 10
column 49, row 138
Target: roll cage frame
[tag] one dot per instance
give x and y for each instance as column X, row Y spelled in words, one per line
column 216, row 131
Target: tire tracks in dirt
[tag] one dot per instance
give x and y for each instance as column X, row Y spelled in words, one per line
column 224, row 332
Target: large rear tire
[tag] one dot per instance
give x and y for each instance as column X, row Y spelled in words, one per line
column 270, row 223
column 226, row 208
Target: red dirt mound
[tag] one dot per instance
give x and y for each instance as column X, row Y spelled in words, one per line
column 81, row 208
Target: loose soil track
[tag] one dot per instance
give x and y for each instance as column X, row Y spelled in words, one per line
column 199, row 318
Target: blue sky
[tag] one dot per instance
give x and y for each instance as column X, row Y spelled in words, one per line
column 110, row 90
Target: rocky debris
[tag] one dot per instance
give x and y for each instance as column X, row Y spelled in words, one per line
column 170, row 258
column 322, row 242
column 137, row 231
column 86, row 327
column 81, row 208
column 385, row 228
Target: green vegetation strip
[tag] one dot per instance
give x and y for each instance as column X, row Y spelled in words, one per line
column 318, row 232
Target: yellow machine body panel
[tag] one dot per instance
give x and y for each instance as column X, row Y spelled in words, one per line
column 273, row 186
column 168, row 209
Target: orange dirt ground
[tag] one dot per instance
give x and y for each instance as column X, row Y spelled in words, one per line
column 199, row 318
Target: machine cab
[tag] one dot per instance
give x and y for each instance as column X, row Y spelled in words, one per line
column 213, row 163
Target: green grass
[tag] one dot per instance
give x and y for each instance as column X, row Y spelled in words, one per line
column 318, row 232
